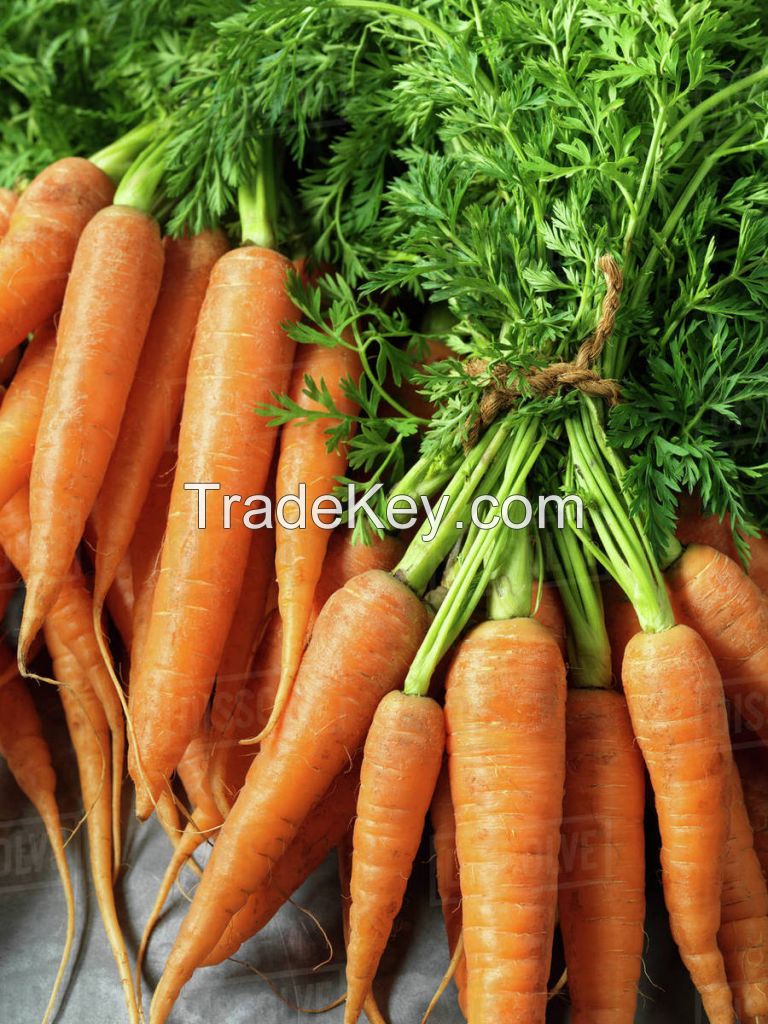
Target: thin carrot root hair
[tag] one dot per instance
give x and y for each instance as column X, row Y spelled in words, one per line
column 559, row 985
column 458, row 953
column 283, row 998
column 58, row 847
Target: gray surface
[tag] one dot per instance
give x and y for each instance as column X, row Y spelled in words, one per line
column 32, row 929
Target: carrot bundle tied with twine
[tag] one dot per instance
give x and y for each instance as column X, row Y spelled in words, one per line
column 507, row 383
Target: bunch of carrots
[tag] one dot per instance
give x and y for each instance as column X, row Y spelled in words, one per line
column 280, row 692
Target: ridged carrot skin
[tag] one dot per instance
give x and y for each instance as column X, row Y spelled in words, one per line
column 38, row 249
column 107, row 307
column 8, row 200
column 323, row 829
column 743, row 934
column 306, row 462
column 447, row 873
column 21, row 411
column 695, row 528
column 549, row 612
column 505, row 711
column 711, row 593
column 602, row 862
column 335, row 696
column 752, row 763
column 675, row 698
column 154, row 403
column 240, row 356
column 401, row 762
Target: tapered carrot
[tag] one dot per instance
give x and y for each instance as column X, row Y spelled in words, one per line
column 154, row 403
column 240, row 355
column 711, row 594
column 8, row 200
column 602, row 863
column 675, row 699
column 89, row 732
column 39, row 246
column 447, row 872
column 21, row 411
column 336, row 692
column 24, row 748
column 743, row 934
column 505, row 711
column 401, row 761
column 108, row 303
column 306, row 463
column 324, row 828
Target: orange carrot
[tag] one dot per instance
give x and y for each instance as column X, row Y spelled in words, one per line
column 602, row 863
column 240, row 356
column 621, row 623
column 8, row 200
column 24, row 748
column 109, row 300
column 743, row 934
column 401, row 761
column 712, row 595
column 752, row 763
column 305, row 463
column 344, row 560
column 695, row 528
column 362, row 644
column 39, row 247
column 505, row 711
column 120, row 601
column 154, row 403
column 21, row 411
column 447, row 872
column 323, row 829
column 675, row 699
column 549, row 612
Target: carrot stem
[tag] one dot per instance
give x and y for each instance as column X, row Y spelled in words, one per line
column 256, row 201
column 117, row 157
column 510, row 594
column 138, row 187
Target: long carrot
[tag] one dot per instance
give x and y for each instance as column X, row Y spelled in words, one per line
column 752, row 763
column 711, row 594
column 24, row 748
column 675, row 698
column 324, row 828
column 240, row 355
column 305, row 462
column 8, row 200
column 602, row 864
column 39, row 247
column 401, row 762
column 361, row 647
column 447, row 873
column 154, row 403
column 505, row 711
column 109, row 301
column 743, row 934
column 21, row 411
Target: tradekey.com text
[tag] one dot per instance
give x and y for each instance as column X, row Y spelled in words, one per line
column 401, row 511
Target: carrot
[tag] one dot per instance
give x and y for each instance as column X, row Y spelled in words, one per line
column 621, row 623
column 21, row 411
column 323, row 829
column 109, row 300
column 154, row 403
column 401, row 762
column 602, row 864
column 305, row 462
column 548, row 610
column 712, row 595
column 505, row 711
column 743, row 934
column 8, row 200
column 345, row 560
column 447, row 872
column 695, row 528
column 24, row 748
column 120, row 601
column 89, row 731
column 361, row 647
column 752, row 763
column 240, row 355
column 675, row 699
column 39, row 247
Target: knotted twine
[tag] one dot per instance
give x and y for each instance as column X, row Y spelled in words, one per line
column 505, row 384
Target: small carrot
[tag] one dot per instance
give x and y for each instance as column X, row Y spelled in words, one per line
column 743, row 934
column 240, row 356
column 447, row 873
column 602, row 864
column 324, row 828
column 401, row 762
column 39, row 246
column 711, row 594
column 306, row 463
column 24, row 748
column 109, row 301
column 8, row 200
column 336, row 692
column 21, row 411
column 154, row 403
